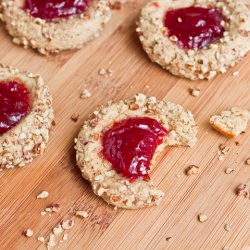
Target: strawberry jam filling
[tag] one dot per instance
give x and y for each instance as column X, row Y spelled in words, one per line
column 14, row 104
column 130, row 145
column 194, row 27
column 51, row 9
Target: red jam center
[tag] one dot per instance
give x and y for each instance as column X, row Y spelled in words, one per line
column 14, row 104
column 50, row 9
column 194, row 27
column 130, row 145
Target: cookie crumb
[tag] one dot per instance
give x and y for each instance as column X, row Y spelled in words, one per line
column 202, row 217
column 236, row 73
column 248, row 161
column 41, row 238
column 75, row 117
column 229, row 170
column 227, row 227
column 43, row 213
column 28, row 232
column 82, row 214
column 43, row 195
column 195, row 92
column 192, row 170
column 115, row 208
column 85, row 94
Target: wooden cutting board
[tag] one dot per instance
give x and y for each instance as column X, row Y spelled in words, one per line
column 212, row 192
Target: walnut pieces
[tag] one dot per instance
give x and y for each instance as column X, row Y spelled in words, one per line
column 28, row 139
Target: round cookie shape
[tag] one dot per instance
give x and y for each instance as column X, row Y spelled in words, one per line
column 58, row 34
column 195, row 63
column 106, row 182
column 21, row 143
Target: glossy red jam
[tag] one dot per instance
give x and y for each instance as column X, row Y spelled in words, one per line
column 51, row 9
column 14, row 104
column 130, row 145
column 194, row 27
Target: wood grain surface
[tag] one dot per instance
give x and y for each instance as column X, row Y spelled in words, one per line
column 212, row 192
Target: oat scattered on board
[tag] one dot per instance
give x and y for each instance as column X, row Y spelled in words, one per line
column 202, row 217
column 82, row 214
column 28, row 232
column 43, row 195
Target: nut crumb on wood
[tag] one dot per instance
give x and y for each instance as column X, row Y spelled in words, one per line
column 235, row 73
column 193, row 170
column 227, row 227
column 102, row 72
column 229, row 170
column 248, row 161
column 243, row 190
column 202, row 217
column 52, row 241
column 169, row 238
column 43, row 195
column 55, row 208
column 85, row 94
column 57, row 230
column 65, row 237
column 67, row 224
column 195, row 92
column 28, row 232
column 82, row 214
column 75, row 117
column 41, row 238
